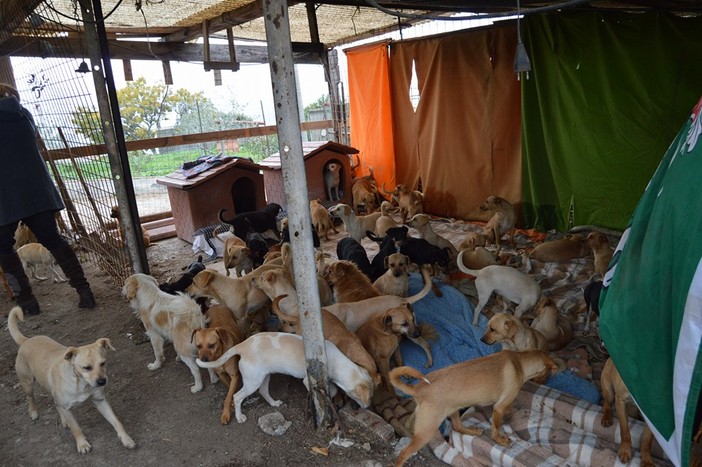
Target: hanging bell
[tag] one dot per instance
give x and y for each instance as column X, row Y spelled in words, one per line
column 83, row 68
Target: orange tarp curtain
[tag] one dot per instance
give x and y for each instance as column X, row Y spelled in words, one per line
column 464, row 140
column 371, row 114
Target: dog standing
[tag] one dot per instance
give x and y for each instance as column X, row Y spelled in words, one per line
column 266, row 353
column 71, row 374
column 356, row 226
column 502, row 221
column 321, row 219
column 422, row 223
column 166, row 317
column 492, row 380
column 258, row 221
column 221, row 335
column 410, row 201
column 615, row 391
column 33, row 255
column 332, row 180
column 236, row 255
column 601, row 249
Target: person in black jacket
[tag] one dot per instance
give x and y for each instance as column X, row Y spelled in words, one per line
column 28, row 194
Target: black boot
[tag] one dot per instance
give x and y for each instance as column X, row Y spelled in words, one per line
column 19, row 283
column 67, row 259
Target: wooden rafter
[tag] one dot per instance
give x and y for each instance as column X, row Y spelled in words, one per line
column 15, row 11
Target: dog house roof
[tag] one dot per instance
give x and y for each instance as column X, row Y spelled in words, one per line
column 179, row 179
column 309, row 149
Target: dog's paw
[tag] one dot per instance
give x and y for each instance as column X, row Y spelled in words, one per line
column 127, row 441
column 154, row 366
column 625, row 452
column 241, row 418
column 213, row 376
column 501, row 439
column 33, row 414
column 276, row 403
column 196, row 388
column 83, row 446
column 226, row 417
column 606, row 421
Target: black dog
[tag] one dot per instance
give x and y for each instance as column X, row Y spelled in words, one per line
column 258, row 247
column 184, row 281
column 285, row 234
column 418, row 250
column 349, row 249
column 253, row 221
column 592, row 297
column 386, row 248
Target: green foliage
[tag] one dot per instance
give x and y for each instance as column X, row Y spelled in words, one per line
column 318, row 104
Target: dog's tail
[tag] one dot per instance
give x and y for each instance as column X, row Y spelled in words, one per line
column 425, row 290
column 222, row 219
column 462, row 267
column 16, row 314
column 397, row 373
column 221, row 360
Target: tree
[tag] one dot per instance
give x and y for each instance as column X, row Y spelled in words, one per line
column 318, row 104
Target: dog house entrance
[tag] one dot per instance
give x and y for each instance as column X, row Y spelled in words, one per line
column 244, row 195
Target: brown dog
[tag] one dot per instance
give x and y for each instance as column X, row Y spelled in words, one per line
column 211, row 342
column 555, row 327
column 601, row 249
column 236, row 255
column 472, row 240
column 71, row 374
column 385, row 221
column 614, row 390
column 381, row 334
column 409, row 201
column 492, row 380
column 115, row 214
column 476, row 257
column 336, row 332
column 395, row 281
column 572, row 246
column 321, row 219
column 365, row 193
column 513, row 334
column 348, row 283
column 502, row 221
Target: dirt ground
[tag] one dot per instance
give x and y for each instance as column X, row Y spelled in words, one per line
column 170, row 425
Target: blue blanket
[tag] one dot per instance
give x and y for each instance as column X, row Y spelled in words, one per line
column 452, row 317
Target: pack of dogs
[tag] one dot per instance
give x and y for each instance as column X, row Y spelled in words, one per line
column 222, row 322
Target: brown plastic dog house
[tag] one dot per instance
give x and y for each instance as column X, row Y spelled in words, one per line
column 236, row 185
column 317, row 155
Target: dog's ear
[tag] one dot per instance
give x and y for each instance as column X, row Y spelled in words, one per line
column 386, row 262
column 223, row 334
column 387, row 320
column 70, row 354
column 130, row 288
column 192, row 336
column 276, row 306
column 509, row 328
column 203, row 278
column 105, row 343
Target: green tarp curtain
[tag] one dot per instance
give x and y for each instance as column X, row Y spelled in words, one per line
column 606, row 95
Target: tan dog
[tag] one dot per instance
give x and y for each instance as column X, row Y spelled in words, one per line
column 221, row 335
column 614, row 390
column 476, row 257
column 409, row 201
column 385, row 221
column 332, row 180
column 555, row 327
column 422, row 223
column 492, row 380
column 236, row 255
column 236, row 293
column 335, row 332
column 601, row 249
column 572, row 246
column 276, row 282
column 356, row 226
column 513, row 334
column 381, row 334
column 71, row 374
column 34, row 255
column 348, row 283
column 321, row 219
column 24, row 235
column 115, row 214
column 266, row 353
column 364, row 192
column 395, row 281
column 472, row 240
column 166, row 317
column 502, row 221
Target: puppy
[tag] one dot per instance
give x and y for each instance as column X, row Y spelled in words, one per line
column 348, row 283
column 509, row 331
column 601, row 249
column 572, row 246
column 258, row 221
column 492, row 380
column 332, row 180
column 266, row 353
column 71, row 374
column 351, row 250
column 381, row 334
column 117, row 215
column 335, row 332
column 183, row 282
column 385, row 221
column 33, row 255
column 321, row 219
column 555, row 327
column 166, row 317
column 236, row 255
column 395, row 281
column 257, row 248
column 221, row 335
column 472, row 240
column 236, row 293
column 419, row 250
column 386, row 247
column 502, row 221
column 614, row 390
column 512, row 284
column 422, row 223
column 409, row 201
column 356, row 226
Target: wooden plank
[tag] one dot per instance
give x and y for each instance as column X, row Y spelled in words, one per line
column 13, row 14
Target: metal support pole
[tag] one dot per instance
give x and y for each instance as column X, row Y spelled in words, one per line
column 277, row 22
column 101, row 68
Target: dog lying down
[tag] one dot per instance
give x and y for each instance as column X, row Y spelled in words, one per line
column 492, row 380
column 266, row 353
column 71, row 374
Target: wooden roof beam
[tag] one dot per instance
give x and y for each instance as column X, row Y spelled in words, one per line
column 13, row 14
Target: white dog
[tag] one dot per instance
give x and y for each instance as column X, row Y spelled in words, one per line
column 512, row 284
column 266, row 353
column 356, row 226
column 71, row 374
column 167, row 317
column 33, row 255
